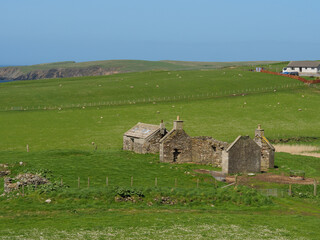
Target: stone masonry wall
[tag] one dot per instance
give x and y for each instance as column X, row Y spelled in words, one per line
column 267, row 152
column 243, row 157
column 267, row 157
column 153, row 144
column 127, row 144
column 176, row 147
column 206, row 150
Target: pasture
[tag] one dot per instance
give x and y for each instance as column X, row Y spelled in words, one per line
column 221, row 103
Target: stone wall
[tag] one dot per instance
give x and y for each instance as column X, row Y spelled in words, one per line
column 267, row 150
column 206, row 150
column 153, row 144
column 176, row 147
column 267, row 157
column 243, row 156
column 128, row 143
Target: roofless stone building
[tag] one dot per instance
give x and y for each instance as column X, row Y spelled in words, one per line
column 178, row 147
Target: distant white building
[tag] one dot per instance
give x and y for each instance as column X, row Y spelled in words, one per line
column 303, row 68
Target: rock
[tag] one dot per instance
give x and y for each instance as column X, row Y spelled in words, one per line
column 4, row 173
column 48, row 200
column 20, row 163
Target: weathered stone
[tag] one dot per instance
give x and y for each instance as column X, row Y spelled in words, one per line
column 267, row 150
column 4, row 173
column 242, row 156
column 206, row 150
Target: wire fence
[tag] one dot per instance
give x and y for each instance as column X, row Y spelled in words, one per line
column 154, row 100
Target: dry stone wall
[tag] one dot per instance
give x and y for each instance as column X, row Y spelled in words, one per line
column 206, row 150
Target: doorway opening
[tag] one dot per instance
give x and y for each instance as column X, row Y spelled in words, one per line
column 175, row 155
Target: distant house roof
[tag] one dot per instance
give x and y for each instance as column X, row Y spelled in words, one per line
column 142, row 130
column 304, row 64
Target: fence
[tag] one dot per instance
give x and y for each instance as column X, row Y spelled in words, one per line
column 155, row 100
column 274, row 192
column 292, row 76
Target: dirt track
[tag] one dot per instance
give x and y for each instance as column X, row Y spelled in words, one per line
column 304, row 150
column 269, row 177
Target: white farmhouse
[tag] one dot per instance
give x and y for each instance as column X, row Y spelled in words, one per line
column 303, row 68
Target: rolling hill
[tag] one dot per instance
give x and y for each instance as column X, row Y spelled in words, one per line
column 96, row 68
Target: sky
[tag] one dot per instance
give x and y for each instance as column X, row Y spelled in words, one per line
column 40, row 31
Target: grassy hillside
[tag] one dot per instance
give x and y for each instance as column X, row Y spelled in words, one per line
column 225, row 104
column 135, row 87
column 140, row 65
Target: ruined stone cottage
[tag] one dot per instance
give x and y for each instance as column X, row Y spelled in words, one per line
column 178, row 147
column 144, row 138
column 242, row 156
column 267, row 150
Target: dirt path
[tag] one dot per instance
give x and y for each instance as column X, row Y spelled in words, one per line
column 305, row 150
column 269, row 177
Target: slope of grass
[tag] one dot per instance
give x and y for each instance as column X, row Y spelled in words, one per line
column 223, row 118
column 61, row 141
column 139, row 65
column 142, row 86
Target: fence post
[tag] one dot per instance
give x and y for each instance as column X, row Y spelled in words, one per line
column 27, row 147
column 315, row 187
column 78, row 182
column 290, row 190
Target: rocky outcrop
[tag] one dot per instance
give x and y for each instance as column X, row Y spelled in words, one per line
column 14, row 73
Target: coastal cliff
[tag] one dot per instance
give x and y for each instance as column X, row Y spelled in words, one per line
column 14, row 73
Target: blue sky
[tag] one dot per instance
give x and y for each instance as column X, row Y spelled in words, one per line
column 39, row 31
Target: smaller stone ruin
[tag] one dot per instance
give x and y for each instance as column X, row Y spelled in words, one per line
column 24, row 179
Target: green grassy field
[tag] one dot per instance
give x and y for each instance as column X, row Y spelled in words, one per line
column 137, row 87
column 225, row 104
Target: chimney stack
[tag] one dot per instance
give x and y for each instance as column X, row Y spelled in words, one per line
column 163, row 129
column 178, row 124
column 259, row 131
